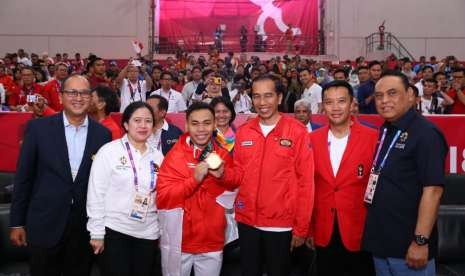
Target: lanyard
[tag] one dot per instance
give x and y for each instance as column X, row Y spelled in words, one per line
column 383, row 162
column 58, row 86
column 152, row 171
column 131, row 90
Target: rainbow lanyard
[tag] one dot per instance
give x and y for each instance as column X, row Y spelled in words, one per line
column 133, row 165
column 381, row 143
column 226, row 140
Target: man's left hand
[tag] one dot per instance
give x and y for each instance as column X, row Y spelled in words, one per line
column 296, row 242
column 218, row 173
column 417, row 256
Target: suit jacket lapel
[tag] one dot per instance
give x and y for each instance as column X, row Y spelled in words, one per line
column 325, row 153
column 61, row 146
column 352, row 142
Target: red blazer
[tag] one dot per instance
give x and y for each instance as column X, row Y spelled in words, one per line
column 342, row 194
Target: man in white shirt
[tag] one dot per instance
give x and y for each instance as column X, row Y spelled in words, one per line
column 175, row 100
column 132, row 89
column 312, row 91
column 427, row 73
column 241, row 100
column 433, row 101
column 190, row 87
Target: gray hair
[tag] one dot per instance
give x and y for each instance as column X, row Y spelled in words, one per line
column 305, row 103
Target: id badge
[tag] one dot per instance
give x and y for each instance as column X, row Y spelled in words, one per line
column 140, row 207
column 371, row 188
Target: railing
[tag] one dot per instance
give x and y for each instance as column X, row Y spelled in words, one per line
column 274, row 43
column 385, row 41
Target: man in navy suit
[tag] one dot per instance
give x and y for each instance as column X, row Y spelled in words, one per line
column 303, row 113
column 164, row 135
column 48, row 211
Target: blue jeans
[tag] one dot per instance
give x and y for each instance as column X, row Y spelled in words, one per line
column 398, row 267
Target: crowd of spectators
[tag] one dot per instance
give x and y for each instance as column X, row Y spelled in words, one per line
column 31, row 82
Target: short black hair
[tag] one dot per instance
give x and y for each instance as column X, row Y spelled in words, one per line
column 229, row 105
column 107, row 95
column 157, row 67
column 130, row 109
column 340, row 70
column 167, row 73
column 27, row 67
column 427, row 67
column 435, row 76
column 206, row 72
column 374, row 63
column 458, row 70
column 305, row 69
column 431, row 80
column 196, row 67
column 278, row 87
column 363, row 67
column 336, row 84
column 398, row 74
column 93, row 61
column 162, row 102
column 416, row 92
column 199, row 106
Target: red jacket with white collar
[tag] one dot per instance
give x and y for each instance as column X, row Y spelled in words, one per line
column 275, row 175
column 204, row 223
column 342, row 195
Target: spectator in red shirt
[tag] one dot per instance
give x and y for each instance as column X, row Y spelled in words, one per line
column 53, row 87
column 77, row 63
column 18, row 97
column 103, row 102
column 457, row 91
column 98, row 76
column 6, row 79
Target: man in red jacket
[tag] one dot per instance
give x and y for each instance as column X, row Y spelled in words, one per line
column 343, row 153
column 273, row 164
column 53, row 87
column 190, row 200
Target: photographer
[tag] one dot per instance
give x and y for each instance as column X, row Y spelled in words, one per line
column 239, row 95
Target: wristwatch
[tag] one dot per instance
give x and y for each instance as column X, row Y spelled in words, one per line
column 421, row 240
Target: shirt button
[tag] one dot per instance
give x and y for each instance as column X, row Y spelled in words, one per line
column 336, row 189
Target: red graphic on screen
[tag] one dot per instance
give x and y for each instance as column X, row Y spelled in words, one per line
column 199, row 22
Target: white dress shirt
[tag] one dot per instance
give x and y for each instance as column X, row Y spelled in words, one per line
column 111, row 191
column 313, row 95
column 175, row 100
column 188, row 90
column 155, row 139
column 76, row 138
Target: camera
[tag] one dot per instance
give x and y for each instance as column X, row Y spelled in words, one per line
column 217, row 80
column 32, row 99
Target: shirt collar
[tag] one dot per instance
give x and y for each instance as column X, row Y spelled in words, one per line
column 404, row 122
column 85, row 123
column 165, row 125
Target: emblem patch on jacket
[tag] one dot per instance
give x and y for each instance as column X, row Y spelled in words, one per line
column 285, row 143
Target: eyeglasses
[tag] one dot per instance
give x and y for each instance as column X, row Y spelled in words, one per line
column 166, row 79
column 73, row 93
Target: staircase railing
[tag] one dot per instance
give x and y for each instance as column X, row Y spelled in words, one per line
column 386, row 41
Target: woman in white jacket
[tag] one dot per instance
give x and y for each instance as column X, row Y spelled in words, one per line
column 123, row 220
